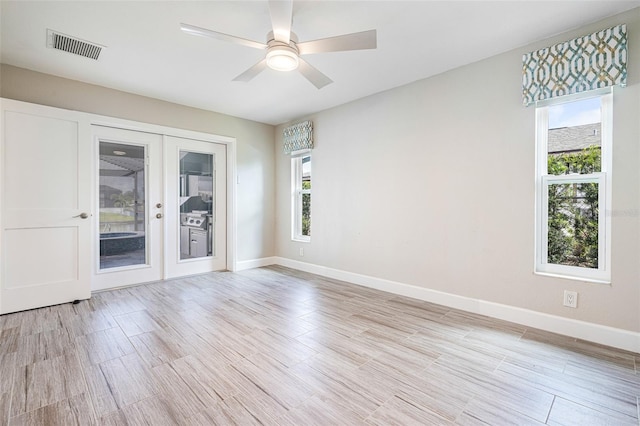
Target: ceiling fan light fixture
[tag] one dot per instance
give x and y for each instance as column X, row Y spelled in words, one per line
column 282, row 58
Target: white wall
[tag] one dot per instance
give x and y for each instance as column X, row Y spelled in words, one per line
column 432, row 185
column 255, row 141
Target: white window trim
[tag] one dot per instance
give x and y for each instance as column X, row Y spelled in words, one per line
column 603, row 273
column 296, row 196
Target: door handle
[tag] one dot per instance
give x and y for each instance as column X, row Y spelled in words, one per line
column 82, row 215
column 159, row 215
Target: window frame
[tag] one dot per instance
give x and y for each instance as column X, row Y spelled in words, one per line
column 603, row 273
column 297, row 193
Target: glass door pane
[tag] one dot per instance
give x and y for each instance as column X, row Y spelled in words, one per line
column 122, row 205
column 196, row 205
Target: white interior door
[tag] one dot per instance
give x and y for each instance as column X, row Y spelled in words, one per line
column 129, row 232
column 196, row 195
column 46, row 209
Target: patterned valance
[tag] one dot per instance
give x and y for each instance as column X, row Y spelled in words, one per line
column 586, row 63
column 297, row 137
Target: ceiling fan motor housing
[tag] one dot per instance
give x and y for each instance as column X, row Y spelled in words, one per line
column 282, row 56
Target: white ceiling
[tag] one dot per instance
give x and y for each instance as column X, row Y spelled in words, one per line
column 147, row 54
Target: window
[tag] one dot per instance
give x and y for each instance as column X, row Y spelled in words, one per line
column 301, row 197
column 573, row 142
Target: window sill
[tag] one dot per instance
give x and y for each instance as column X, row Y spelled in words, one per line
column 301, row 240
column 572, row 278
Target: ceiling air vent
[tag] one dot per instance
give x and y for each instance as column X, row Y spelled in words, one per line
column 56, row 40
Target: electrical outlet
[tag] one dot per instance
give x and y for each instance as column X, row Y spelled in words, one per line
column 301, row 251
column 570, row 299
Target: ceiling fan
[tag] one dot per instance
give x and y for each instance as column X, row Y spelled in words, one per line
column 283, row 50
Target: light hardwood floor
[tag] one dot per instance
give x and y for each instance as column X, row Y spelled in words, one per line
column 277, row 346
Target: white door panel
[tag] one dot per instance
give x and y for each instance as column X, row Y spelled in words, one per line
column 45, row 186
column 61, row 246
column 41, row 156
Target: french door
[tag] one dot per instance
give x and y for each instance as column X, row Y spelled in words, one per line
column 196, row 194
column 162, row 207
column 129, row 228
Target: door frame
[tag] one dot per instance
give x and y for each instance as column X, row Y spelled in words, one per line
column 229, row 142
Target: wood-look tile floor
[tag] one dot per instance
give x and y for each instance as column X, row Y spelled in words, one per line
column 281, row 347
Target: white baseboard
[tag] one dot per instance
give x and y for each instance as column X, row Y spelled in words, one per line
column 255, row 263
column 609, row 336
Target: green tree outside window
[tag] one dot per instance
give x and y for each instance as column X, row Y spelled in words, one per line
column 573, row 210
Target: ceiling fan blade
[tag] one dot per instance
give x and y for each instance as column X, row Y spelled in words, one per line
column 193, row 30
column 281, row 16
column 252, row 72
column 313, row 75
column 353, row 41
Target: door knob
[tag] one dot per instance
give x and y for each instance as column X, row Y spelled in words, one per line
column 82, row 215
column 159, row 205
column 159, row 215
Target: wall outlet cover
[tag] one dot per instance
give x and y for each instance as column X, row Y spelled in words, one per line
column 570, row 299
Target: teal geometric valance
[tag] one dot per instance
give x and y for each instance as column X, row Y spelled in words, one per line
column 297, row 137
column 586, row 63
